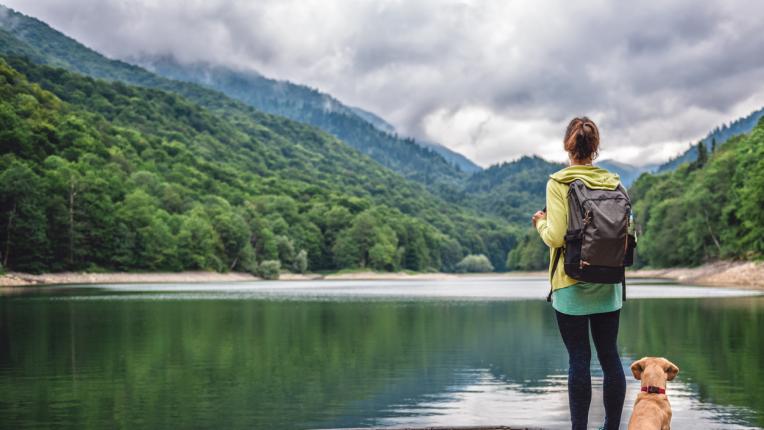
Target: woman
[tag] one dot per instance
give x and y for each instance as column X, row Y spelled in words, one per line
column 578, row 305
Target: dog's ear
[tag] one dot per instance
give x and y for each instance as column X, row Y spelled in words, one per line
column 637, row 367
column 671, row 370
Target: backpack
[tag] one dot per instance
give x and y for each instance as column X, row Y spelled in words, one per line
column 598, row 245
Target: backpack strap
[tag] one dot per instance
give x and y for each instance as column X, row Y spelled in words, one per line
column 557, row 252
column 623, row 288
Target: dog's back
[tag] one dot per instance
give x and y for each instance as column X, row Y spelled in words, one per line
column 651, row 412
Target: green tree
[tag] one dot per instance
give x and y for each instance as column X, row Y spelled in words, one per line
column 197, row 242
column 531, row 253
column 300, row 264
column 269, row 269
column 23, row 232
column 474, row 264
column 285, row 247
column 234, row 236
column 702, row 155
column 353, row 245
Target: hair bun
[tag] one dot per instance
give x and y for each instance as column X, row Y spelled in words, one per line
column 582, row 139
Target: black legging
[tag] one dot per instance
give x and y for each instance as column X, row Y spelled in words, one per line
column 575, row 334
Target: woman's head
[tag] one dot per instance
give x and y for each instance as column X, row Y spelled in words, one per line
column 582, row 139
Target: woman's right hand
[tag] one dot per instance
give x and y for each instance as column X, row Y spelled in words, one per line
column 537, row 216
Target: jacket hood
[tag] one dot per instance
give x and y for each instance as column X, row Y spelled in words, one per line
column 593, row 177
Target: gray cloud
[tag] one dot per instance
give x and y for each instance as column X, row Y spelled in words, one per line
column 655, row 74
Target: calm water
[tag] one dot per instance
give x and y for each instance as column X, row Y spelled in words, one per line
column 299, row 355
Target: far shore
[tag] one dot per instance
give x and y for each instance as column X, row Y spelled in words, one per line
column 720, row 274
column 18, row 279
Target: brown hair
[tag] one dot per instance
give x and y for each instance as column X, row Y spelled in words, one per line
column 582, row 139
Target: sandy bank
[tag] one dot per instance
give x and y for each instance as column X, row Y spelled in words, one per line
column 721, row 273
column 737, row 274
column 13, row 279
column 18, row 279
column 436, row 276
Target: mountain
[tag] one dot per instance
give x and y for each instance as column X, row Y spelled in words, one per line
column 298, row 179
column 715, row 137
column 514, row 190
column 45, row 45
column 105, row 175
column 465, row 164
column 705, row 210
column 627, row 172
column 360, row 129
column 48, row 46
column 374, row 120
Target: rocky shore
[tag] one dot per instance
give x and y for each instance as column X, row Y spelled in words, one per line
column 722, row 273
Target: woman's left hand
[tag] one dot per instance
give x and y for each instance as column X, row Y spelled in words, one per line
column 537, row 216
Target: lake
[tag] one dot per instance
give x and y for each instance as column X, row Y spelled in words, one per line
column 325, row 354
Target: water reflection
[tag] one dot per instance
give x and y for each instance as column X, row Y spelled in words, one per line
column 95, row 358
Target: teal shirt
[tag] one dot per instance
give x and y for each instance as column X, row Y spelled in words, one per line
column 583, row 298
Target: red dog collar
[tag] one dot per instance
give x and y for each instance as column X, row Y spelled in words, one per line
column 654, row 390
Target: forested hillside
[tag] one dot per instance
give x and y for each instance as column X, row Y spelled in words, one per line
column 105, row 176
column 717, row 136
column 43, row 44
column 516, row 190
column 708, row 209
column 513, row 190
column 34, row 39
column 363, row 132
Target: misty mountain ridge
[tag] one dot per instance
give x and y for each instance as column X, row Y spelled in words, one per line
column 216, row 77
column 627, row 172
column 305, row 104
column 289, row 96
column 717, row 136
column 370, row 132
column 41, row 43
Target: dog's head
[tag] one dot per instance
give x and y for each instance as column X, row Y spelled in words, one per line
column 654, row 370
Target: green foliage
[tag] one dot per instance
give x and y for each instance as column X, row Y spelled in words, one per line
column 300, row 264
column 531, row 253
column 513, row 190
column 706, row 210
column 125, row 178
column 269, row 269
column 474, row 264
column 702, row 157
column 20, row 196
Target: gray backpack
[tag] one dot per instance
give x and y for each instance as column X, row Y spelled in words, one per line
column 598, row 244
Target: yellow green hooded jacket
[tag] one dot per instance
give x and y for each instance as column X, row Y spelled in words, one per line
column 552, row 228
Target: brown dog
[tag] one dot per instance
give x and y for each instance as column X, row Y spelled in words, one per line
column 652, row 410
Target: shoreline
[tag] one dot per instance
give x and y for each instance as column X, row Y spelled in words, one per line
column 20, row 279
column 738, row 274
column 718, row 274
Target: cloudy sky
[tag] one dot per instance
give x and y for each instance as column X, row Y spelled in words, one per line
column 491, row 79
